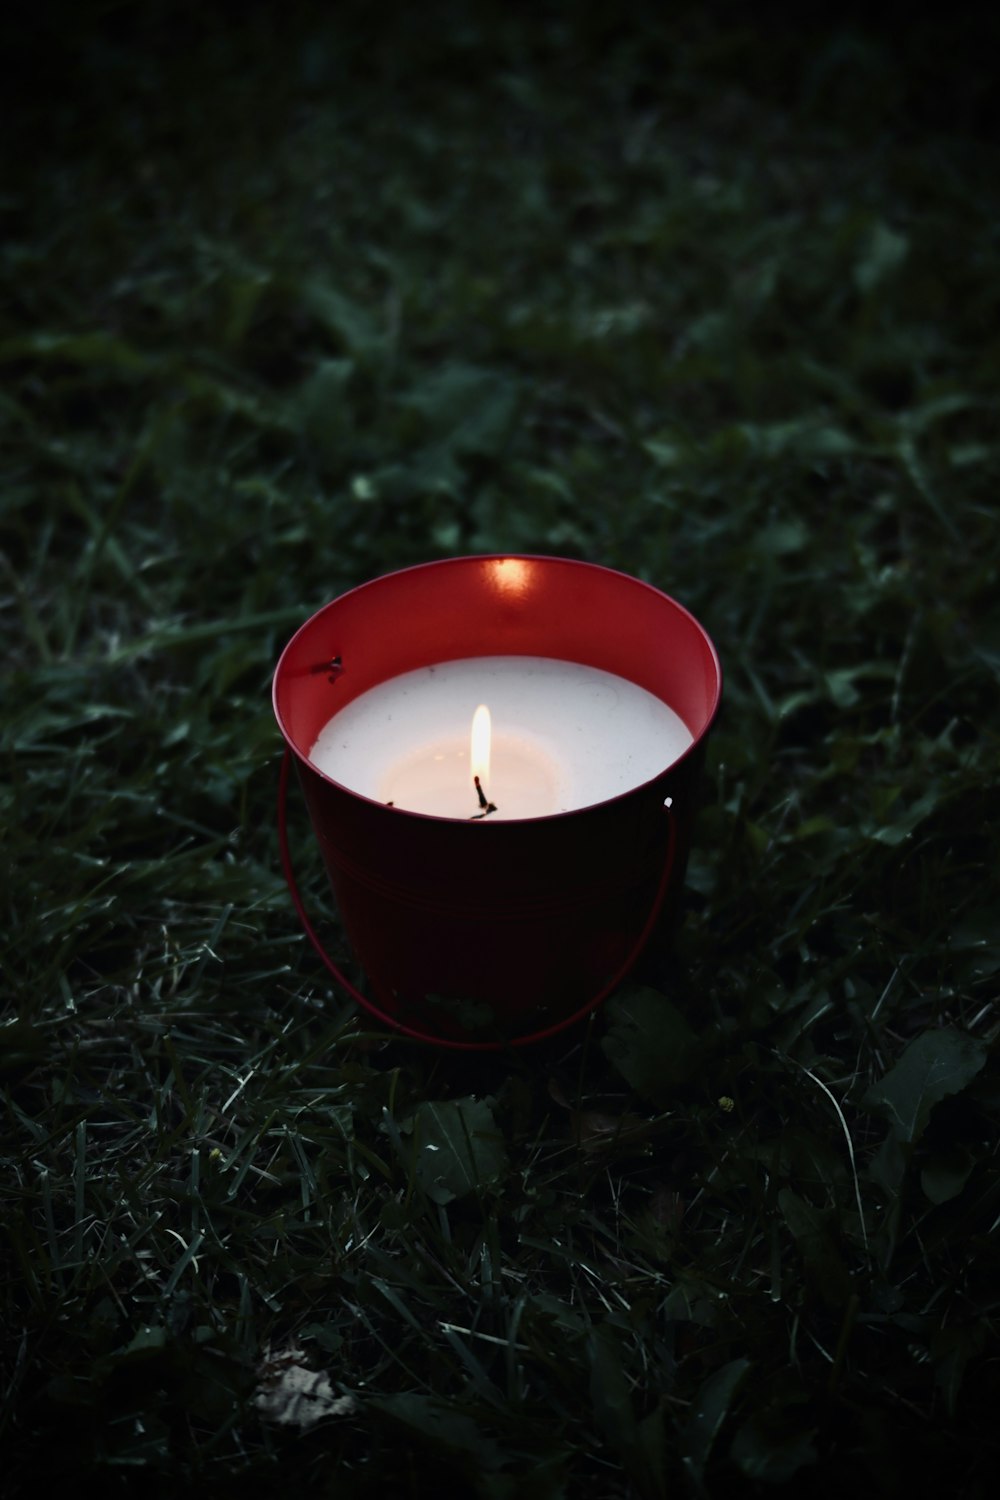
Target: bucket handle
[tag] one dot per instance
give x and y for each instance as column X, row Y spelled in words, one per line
column 421, row 1036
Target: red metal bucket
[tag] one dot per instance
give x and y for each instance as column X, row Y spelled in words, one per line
column 478, row 936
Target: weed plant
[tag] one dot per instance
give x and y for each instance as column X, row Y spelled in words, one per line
column 292, row 296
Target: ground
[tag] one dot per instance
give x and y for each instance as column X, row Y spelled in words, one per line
column 290, row 297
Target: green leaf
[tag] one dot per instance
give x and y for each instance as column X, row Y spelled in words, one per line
column 764, row 1448
column 900, row 829
column 97, row 350
column 148, row 1341
column 934, row 1065
column 884, row 252
column 802, row 436
column 976, row 938
column 807, row 1160
column 545, row 1480
column 951, row 1349
column 468, row 408
column 709, row 1410
column 650, row 1466
column 457, row 1146
column 666, row 454
column 649, row 1042
column 946, row 1174
column 642, row 1444
column 326, row 1335
column 609, row 1391
column 443, row 1427
column 348, row 319
column 784, row 537
column 21, row 1045
column 323, row 404
column 841, row 687
column 888, row 1166
column 810, row 1230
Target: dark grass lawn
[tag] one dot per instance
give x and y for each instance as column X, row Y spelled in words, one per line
column 290, row 297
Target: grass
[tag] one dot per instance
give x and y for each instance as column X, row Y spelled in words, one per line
column 288, row 300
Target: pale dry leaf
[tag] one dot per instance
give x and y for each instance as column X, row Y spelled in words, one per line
column 292, row 1395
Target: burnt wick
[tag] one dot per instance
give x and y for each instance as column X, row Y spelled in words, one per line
column 484, row 803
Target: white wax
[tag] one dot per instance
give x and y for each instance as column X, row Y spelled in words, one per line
column 564, row 736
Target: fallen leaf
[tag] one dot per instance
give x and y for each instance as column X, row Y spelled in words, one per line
column 292, row 1395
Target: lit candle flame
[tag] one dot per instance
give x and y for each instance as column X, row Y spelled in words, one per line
column 479, row 749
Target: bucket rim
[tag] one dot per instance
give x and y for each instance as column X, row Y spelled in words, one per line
column 640, row 789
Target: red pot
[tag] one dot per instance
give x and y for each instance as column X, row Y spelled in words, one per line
column 485, row 935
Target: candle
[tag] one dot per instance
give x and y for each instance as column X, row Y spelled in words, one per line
column 602, row 691
column 563, row 736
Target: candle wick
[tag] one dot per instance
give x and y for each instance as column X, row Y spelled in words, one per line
column 484, row 802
